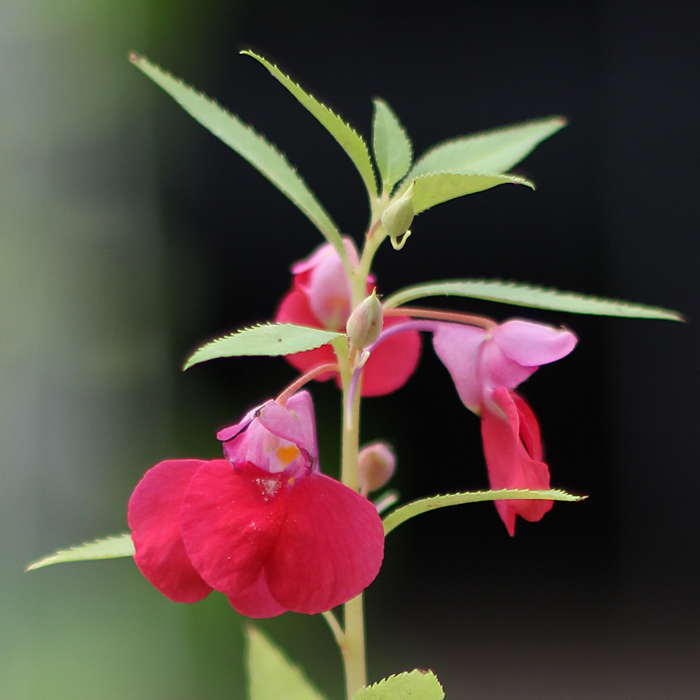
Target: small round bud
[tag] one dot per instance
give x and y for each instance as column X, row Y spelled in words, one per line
column 376, row 464
column 398, row 217
column 365, row 322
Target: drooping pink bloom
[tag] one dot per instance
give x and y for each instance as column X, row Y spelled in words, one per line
column 486, row 366
column 264, row 525
column 321, row 297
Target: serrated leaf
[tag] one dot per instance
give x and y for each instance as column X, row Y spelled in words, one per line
column 243, row 139
column 495, row 151
column 414, row 685
column 271, row 339
column 392, row 147
column 519, row 294
column 350, row 141
column 112, row 547
column 434, row 189
column 271, row 675
column 423, row 505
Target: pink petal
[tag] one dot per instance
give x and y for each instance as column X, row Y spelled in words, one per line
column 498, row 370
column 231, row 431
column 459, row 348
column 511, row 464
column 231, row 519
column 294, row 422
column 533, row 344
column 324, row 251
column 154, row 516
column 257, row 601
column 295, row 308
column 329, row 292
column 329, row 549
column 273, row 430
column 392, row 362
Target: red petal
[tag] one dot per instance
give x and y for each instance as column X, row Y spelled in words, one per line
column 510, row 464
column 257, row 601
column 295, row 308
column 154, row 517
column 392, row 362
column 329, row 549
column 231, row 520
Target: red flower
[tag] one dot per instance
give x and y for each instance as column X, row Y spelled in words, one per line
column 263, row 526
column 321, row 297
column 486, row 366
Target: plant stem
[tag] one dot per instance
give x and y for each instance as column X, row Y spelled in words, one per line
column 354, row 646
column 353, row 642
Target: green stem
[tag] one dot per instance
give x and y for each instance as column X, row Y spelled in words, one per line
column 353, row 642
column 354, row 647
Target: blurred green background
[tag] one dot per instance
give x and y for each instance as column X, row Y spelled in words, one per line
column 128, row 235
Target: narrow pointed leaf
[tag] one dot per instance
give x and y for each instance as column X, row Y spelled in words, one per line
column 434, row 189
column 414, row 685
column 271, row 675
column 392, row 147
column 423, row 505
column 533, row 297
column 350, row 141
column 495, row 151
column 270, row 339
column 112, row 547
column 243, row 139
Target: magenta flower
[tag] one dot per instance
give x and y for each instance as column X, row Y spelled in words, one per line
column 486, row 365
column 321, row 297
column 263, row 526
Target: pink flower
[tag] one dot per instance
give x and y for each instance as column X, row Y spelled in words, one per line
column 486, row 366
column 263, row 526
column 321, row 297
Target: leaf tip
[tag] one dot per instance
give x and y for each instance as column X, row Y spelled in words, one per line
column 135, row 57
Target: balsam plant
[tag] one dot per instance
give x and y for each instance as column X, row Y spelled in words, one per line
column 263, row 524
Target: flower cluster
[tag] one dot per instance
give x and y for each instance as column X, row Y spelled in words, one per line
column 486, row 365
column 263, row 525
column 320, row 297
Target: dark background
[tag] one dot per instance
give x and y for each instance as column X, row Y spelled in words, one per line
column 597, row 600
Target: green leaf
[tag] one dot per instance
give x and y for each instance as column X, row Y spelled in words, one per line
column 534, row 297
column 434, row 189
column 414, row 685
column 112, row 547
column 423, row 505
column 243, row 139
column 272, row 676
column 270, row 339
column 495, row 151
column 351, row 142
column 392, row 147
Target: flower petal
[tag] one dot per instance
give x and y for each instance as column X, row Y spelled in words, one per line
column 392, row 362
column 329, row 549
column 231, row 431
column 257, row 601
column 512, row 464
column 154, row 516
column 231, row 519
column 533, row 344
column 459, row 348
column 496, row 370
column 294, row 422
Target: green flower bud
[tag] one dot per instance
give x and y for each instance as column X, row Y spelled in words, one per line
column 376, row 464
column 398, row 217
column 365, row 322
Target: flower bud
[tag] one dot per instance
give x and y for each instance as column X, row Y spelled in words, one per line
column 365, row 322
column 398, row 217
column 376, row 464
